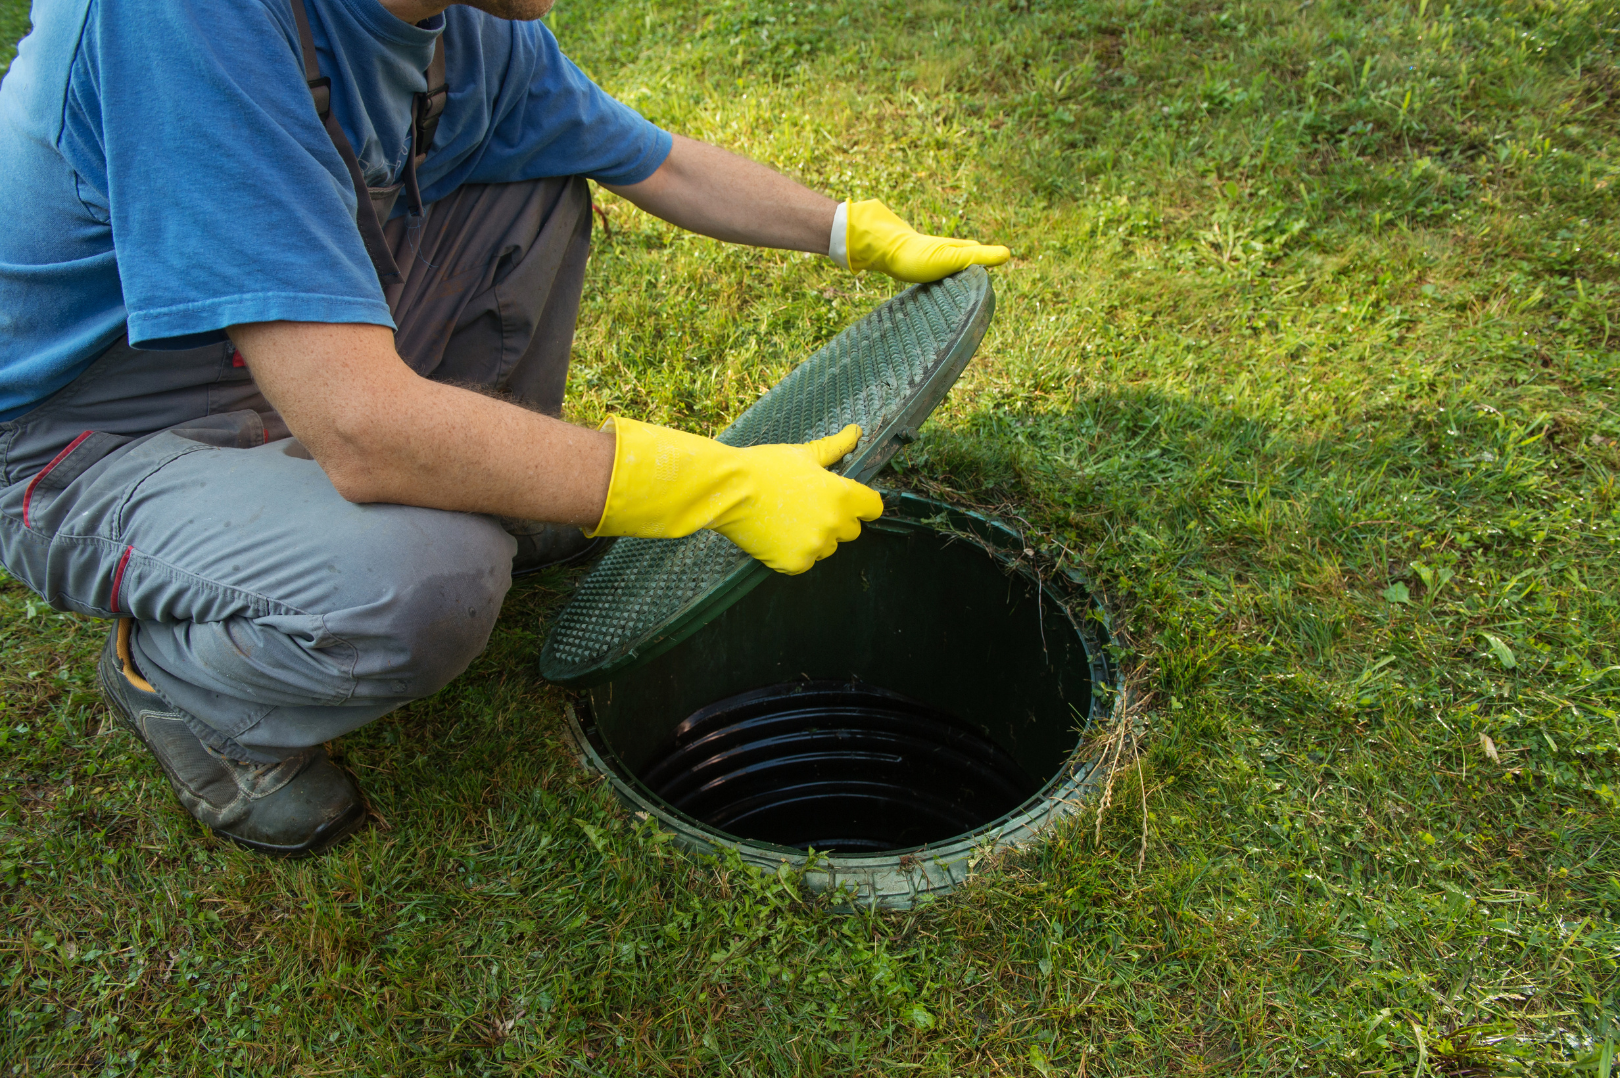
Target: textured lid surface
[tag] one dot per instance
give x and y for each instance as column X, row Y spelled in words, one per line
column 886, row 373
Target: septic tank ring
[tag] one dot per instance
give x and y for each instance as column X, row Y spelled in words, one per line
column 751, row 672
column 916, row 700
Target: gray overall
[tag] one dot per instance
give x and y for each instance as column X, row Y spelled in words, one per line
column 163, row 486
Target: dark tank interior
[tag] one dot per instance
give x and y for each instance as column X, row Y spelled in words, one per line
column 910, row 689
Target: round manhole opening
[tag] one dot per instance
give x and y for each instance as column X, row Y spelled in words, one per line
column 881, row 721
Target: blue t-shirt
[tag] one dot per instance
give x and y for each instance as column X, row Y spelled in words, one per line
column 162, row 167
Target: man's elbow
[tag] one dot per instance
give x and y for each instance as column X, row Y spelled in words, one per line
column 355, row 462
column 358, row 485
column 352, row 475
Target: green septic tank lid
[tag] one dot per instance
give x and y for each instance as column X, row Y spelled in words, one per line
column 886, row 373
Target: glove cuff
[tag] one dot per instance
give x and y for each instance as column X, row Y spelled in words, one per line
column 610, row 425
column 838, row 243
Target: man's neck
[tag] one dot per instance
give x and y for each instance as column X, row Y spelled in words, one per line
column 413, row 11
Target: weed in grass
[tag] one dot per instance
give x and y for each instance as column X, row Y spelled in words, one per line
column 1307, row 354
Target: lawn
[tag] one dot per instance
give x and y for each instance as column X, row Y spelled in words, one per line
column 1307, row 355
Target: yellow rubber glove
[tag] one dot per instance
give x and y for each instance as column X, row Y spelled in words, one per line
column 778, row 503
column 876, row 239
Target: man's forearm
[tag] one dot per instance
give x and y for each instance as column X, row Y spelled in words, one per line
column 717, row 193
column 383, row 433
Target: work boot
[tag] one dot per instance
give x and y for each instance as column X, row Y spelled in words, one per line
column 542, row 545
column 299, row 806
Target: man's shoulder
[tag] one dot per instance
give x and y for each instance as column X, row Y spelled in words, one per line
column 159, row 28
column 78, row 42
column 113, row 18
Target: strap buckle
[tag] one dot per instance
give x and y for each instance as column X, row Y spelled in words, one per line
column 429, row 107
column 321, row 90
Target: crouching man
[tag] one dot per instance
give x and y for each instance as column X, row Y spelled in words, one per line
column 287, row 293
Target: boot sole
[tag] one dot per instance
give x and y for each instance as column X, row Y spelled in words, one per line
column 326, row 837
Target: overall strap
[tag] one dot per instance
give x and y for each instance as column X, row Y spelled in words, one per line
column 426, row 109
column 425, row 112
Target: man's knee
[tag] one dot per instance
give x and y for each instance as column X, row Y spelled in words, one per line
column 434, row 612
column 433, row 632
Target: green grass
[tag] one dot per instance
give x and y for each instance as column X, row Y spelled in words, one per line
column 1308, row 354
